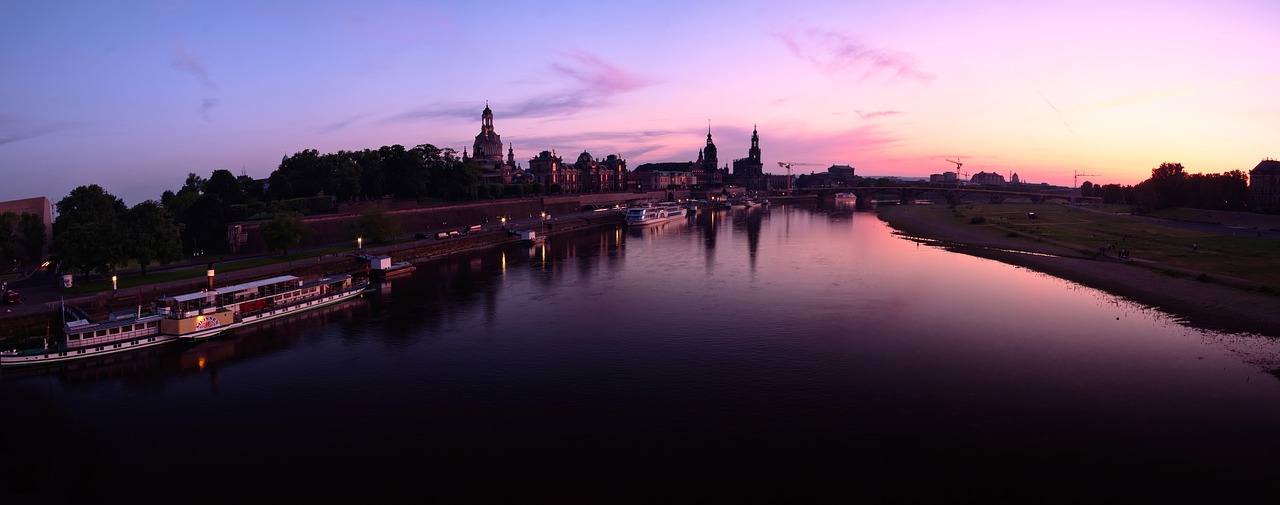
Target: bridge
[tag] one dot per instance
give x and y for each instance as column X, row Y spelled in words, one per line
column 953, row 195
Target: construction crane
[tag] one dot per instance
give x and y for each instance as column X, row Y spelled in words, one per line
column 958, row 174
column 787, row 165
column 1075, row 179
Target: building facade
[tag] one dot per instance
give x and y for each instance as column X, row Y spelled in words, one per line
column 548, row 169
column 39, row 206
column 987, row 179
column 1264, row 186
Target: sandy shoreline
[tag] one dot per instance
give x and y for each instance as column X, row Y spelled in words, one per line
column 1199, row 304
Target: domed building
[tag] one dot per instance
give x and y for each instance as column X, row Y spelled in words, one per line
column 1264, row 186
column 587, row 174
column 487, row 153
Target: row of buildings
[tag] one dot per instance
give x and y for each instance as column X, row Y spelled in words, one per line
column 979, row 179
column 588, row 174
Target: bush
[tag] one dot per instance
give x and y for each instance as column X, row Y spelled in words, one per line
column 978, row 220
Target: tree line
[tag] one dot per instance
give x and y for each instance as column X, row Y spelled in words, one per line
column 1171, row 186
column 95, row 232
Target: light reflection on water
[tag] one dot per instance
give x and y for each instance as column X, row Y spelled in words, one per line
column 745, row 346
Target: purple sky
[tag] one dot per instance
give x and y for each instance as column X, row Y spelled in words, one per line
column 134, row 95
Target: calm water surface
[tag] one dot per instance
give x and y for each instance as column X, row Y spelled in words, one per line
column 763, row 352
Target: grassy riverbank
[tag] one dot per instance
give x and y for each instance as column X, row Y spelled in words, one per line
column 1220, row 281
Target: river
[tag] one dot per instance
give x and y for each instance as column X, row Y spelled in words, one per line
column 780, row 352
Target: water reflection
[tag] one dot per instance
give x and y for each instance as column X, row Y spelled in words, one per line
column 761, row 343
column 156, row 365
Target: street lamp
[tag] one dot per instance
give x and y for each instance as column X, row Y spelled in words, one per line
column 113, row 285
column 359, row 242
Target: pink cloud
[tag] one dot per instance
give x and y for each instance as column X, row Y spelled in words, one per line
column 188, row 62
column 835, row 53
column 594, row 83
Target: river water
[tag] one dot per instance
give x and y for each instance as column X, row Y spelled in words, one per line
column 784, row 352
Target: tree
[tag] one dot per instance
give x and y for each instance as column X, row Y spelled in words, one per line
column 152, row 234
column 406, row 176
column 225, row 185
column 306, row 173
column 375, row 226
column 372, row 179
column 1164, row 188
column 87, row 235
column 283, row 231
column 204, row 227
column 31, row 227
column 346, row 177
column 193, row 184
column 10, row 245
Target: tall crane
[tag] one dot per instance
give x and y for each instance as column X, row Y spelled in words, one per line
column 787, row 165
column 958, row 174
column 1075, row 179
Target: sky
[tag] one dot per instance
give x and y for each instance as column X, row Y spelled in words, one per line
column 133, row 96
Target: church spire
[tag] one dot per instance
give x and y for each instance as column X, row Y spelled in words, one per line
column 754, row 152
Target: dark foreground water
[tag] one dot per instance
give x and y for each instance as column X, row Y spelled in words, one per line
column 783, row 354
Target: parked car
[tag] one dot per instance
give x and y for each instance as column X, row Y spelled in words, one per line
column 420, row 235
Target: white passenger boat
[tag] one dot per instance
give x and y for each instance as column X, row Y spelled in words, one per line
column 120, row 332
column 654, row 214
column 192, row 316
column 205, row 314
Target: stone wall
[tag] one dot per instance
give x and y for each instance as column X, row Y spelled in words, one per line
column 330, row 229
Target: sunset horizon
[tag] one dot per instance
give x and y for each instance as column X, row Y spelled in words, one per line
column 135, row 98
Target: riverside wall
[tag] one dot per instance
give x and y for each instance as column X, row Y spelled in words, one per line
column 33, row 321
column 338, row 227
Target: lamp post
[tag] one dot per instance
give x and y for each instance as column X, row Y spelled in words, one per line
column 359, row 242
column 113, row 285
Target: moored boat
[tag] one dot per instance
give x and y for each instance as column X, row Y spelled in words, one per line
column 530, row 237
column 191, row 316
column 655, row 214
column 205, row 314
column 382, row 268
column 120, row 332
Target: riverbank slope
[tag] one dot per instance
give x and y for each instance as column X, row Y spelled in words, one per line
column 1197, row 300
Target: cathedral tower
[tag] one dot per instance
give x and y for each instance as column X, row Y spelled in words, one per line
column 709, row 161
column 488, row 144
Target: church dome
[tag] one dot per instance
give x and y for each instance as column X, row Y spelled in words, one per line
column 585, row 157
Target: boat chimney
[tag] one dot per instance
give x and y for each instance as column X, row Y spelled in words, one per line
column 209, row 274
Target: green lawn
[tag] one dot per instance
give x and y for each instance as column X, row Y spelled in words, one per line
column 1244, row 257
column 197, row 271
